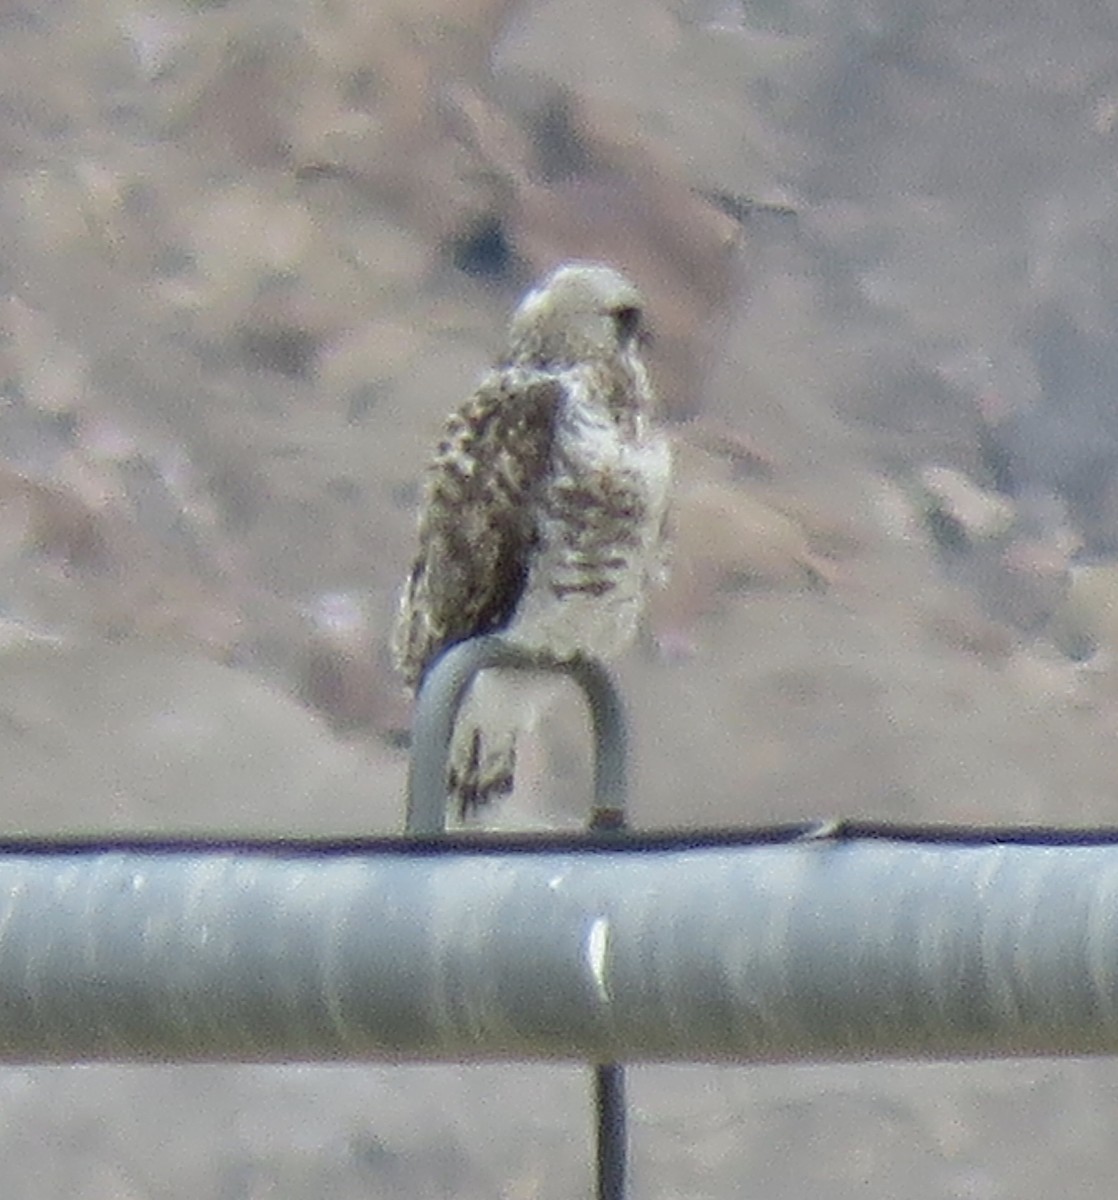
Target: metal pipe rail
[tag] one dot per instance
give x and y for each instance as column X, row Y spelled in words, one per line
column 785, row 946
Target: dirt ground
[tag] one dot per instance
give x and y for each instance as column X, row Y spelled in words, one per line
column 250, row 255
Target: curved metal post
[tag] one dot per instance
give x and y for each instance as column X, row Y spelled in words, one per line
column 441, row 695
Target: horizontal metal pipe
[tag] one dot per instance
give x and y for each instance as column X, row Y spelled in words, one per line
column 823, row 950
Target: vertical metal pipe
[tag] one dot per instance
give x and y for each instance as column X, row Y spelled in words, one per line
column 612, row 1131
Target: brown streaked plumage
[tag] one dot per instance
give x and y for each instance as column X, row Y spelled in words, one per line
column 542, row 512
column 476, row 532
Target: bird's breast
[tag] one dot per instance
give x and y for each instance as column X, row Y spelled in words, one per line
column 598, row 527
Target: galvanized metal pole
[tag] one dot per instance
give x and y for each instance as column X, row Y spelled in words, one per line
column 681, row 949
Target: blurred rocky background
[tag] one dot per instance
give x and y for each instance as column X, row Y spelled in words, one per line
column 251, row 253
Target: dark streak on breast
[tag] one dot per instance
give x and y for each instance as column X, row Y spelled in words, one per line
column 592, row 587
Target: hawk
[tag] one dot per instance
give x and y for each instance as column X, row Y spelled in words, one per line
column 543, row 512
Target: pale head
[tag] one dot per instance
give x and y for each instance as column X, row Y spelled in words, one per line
column 581, row 311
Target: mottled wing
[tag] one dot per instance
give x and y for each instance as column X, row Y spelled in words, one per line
column 478, row 525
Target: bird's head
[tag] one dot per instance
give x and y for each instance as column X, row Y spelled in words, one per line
column 580, row 312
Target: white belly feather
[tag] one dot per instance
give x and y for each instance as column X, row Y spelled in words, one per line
column 585, row 590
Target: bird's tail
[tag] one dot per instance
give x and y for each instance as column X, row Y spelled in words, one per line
column 484, row 772
column 483, row 751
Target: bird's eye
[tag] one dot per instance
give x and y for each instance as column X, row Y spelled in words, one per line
column 628, row 322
